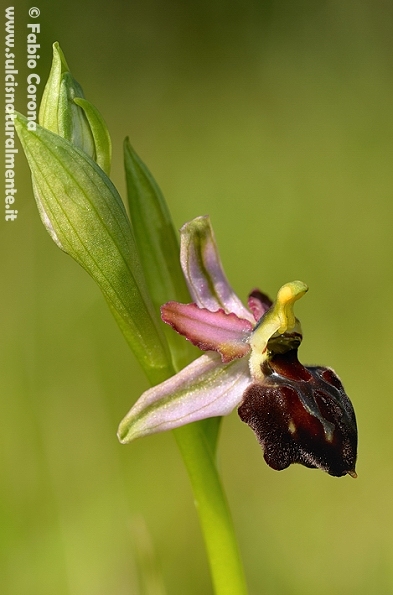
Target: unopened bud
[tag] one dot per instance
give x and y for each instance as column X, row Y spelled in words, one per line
column 66, row 112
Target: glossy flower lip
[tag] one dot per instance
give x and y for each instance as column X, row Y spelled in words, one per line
column 298, row 415
column 302, row 415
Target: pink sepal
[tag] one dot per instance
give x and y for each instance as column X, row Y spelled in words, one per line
column 205, row 388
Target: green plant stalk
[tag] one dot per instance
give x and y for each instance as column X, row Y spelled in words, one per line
column 213, row 510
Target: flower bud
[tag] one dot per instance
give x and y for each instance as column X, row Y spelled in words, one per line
column 65, row 112
column 302, row 415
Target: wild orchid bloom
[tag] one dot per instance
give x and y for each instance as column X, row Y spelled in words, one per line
column 299, row 414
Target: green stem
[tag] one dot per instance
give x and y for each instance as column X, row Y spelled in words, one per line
column 214, row 515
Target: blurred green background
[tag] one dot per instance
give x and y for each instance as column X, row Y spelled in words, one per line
column 274, row 117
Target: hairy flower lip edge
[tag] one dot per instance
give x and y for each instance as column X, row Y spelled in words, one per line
column 280, row 449
column 324, row 439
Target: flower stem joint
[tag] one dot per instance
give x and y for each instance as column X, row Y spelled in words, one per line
column 299, row 414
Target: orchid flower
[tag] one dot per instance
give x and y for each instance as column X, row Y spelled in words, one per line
column 299, row 414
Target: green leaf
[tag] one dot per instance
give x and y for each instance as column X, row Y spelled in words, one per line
column 158, row 246
column 85, row 216
column 101, row 138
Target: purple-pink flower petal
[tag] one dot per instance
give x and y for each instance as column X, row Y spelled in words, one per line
column 203, row 270
column 215, row 331
column 259, row 303
column 205, row 388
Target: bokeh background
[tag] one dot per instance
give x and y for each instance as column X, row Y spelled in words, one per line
column 274, row 117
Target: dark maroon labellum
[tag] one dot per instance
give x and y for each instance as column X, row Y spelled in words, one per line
column 302, row 415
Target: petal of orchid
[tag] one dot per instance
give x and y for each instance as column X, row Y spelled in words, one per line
column 205, row 388
column 216, row 331
column 203, row 270
column 259, row 303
